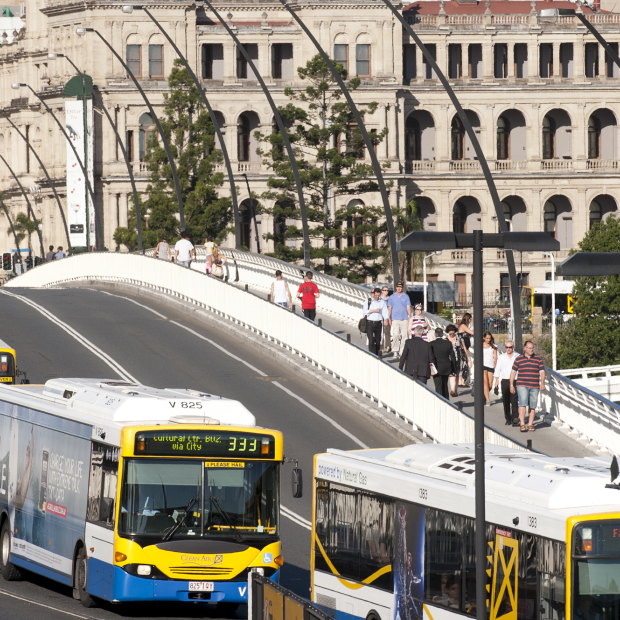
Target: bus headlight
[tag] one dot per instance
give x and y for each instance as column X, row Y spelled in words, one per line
column 147, row 571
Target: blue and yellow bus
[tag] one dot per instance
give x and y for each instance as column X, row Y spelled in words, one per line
column 132, row 493
column 393, row 535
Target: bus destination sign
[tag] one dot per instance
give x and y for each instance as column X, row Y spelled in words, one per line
column 212, row 443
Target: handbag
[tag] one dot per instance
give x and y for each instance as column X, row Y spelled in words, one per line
column 362, row 324
column 217, row 271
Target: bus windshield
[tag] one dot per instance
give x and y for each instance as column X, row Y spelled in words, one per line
column 198, row 498
column 596, row 557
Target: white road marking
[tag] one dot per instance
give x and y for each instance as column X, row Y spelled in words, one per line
column 293, row 516
column 115, row 366
column 51, row 607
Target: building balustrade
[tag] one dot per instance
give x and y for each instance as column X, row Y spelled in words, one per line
column 556, row 164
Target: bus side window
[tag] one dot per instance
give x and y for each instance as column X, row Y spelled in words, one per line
column 102, row 484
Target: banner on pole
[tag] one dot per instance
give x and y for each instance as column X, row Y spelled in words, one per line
column 80, row 210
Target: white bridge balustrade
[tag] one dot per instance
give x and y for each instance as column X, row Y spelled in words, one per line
column 592, row 418
column 604, row 380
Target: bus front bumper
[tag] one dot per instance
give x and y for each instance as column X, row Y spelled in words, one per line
column 131, row 588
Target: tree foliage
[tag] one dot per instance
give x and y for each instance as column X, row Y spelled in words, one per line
column 190, row 132
column 593, row 337
column 329, row 151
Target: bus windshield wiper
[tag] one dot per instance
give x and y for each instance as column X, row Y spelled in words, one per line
column 173, row 530
column 226, row 516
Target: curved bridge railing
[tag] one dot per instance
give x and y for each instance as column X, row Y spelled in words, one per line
column 391, row 390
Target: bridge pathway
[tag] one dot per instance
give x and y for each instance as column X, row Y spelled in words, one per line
column 548, row 437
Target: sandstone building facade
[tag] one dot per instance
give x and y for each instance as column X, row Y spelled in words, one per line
column 542, row 96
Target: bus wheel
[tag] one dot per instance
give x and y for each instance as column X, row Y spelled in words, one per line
column 9, row 571
column 80, row 577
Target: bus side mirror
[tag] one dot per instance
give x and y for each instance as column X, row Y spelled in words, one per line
column 297, row 482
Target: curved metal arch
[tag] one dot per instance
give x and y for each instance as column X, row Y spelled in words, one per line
column 282, row 127
column 87, row 182
column 160, row 129
column 218, row 131
column 46, row 173
column 132, row 180
column 512, row 272
column 8, row 217
column 28, row 203
column 370, row 147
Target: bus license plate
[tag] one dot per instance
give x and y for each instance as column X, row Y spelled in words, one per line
column 201, row 586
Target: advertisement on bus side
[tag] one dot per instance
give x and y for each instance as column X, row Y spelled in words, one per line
column 44, row 488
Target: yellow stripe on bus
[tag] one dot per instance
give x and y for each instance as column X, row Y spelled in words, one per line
column 345, row 582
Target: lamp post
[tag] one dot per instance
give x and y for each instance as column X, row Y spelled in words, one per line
column 160, row 129
column 82, row 164
column 370, row 147
column 218, row 131
column 428, row 241
column 499, row 211
column 119, row 141
column 29, row 205
column 554, row 362
column 253, row 207
column 283, row 131
column 45, row 172
column 424, row 276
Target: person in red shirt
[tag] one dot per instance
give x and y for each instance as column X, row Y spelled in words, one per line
column 308, row 292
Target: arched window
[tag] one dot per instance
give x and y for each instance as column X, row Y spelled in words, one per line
column 548, row 138
column 503, row 137
column 412, row 140
column 457, row 134
column 247, row 144
column 550, row 215
column 147, row 129
column 594, row 138
column 459, row 218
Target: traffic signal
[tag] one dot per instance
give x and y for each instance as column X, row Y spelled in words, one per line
column 37, row 261
column 7, row 263
column 29, row 261
column 570, row 304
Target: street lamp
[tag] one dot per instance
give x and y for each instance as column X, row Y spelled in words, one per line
column 218, row 131
column 370, row 146
column 424, row 275
column 160, row 129
column 87, row 183
column 119, row 141
column 499, row 210
column 29, row 205
column 554, row 363
column 253, row 207
column 283, row 132
column 523, row 241
column 45, row 172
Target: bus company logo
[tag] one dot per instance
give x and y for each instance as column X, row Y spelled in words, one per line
column 202, row 560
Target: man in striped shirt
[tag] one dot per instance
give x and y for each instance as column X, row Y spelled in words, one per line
column 528, row 375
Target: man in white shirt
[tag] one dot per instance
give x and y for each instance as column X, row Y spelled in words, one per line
column 375, row 311
column 184, row 250
column 502, row 372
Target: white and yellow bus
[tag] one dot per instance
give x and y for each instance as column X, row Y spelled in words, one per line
column 393, row 535
column 132, row 493
column 8, row 363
